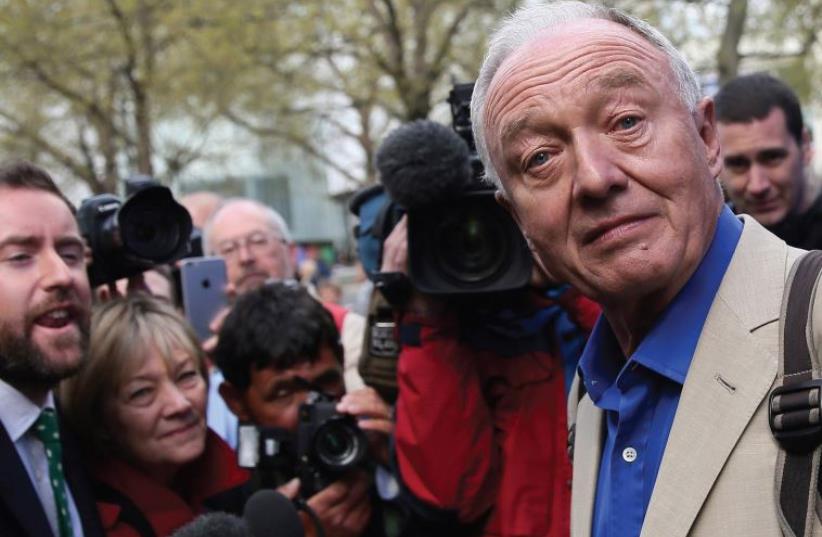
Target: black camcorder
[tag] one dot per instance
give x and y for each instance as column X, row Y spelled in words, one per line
column 325, row 446
column 128, row 237
column 469, row 244
column 460, row 240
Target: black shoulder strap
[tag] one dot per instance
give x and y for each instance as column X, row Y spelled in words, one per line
column 795, row 405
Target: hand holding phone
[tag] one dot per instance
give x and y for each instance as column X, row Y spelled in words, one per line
column 203, row 289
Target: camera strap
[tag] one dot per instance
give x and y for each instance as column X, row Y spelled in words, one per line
column 795, row 411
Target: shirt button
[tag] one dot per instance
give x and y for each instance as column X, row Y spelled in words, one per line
column 629, row 454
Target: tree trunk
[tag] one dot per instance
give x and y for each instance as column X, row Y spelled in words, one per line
column 728, row 56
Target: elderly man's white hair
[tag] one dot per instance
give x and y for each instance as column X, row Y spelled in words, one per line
column 530, row 22
column 273, row 218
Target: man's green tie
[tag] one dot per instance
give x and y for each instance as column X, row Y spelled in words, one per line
column 47, row 431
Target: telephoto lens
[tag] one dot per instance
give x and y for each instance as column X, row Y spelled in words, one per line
column 126, row 238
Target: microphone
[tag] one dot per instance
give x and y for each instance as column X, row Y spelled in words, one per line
column 214, row 525
column 268, row 511
column 423, row 162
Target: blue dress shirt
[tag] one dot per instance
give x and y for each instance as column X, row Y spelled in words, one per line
column 640, row 395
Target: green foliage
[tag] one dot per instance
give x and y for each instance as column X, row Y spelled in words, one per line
column 91, row 86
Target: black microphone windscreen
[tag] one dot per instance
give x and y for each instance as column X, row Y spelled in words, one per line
column 270, row 514
column 423, row 162
column 214, row 525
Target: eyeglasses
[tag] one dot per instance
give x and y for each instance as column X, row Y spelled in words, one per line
column 256, row 242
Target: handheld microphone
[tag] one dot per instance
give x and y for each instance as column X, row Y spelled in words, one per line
column 423, row 162
column 214, row 525
column 270, row 514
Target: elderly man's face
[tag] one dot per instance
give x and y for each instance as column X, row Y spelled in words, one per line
column 608, row 174
column 253, row 251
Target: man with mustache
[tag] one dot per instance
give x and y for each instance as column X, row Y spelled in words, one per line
column 44, row 322
column 595, row 130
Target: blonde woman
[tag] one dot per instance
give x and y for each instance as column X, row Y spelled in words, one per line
column 138, row 405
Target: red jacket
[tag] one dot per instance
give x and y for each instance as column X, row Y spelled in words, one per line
column 485, row 429
column 132, row 504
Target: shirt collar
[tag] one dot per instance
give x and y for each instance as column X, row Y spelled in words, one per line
column 17, row 412
column 669, row 346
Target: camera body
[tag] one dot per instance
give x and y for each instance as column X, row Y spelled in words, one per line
column 325, row 446
column 128, row 237
column 328, row 443
column 460, row 240
column 470, row 244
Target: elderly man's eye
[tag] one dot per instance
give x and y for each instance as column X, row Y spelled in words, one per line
column 628, row 122
column 538, row 159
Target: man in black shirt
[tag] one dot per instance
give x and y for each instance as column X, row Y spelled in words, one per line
column 767, row 154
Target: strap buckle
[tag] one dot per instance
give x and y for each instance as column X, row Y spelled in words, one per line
column 795, row 415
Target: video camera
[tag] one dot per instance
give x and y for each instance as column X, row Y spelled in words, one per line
column 325, row 446
column 128, row 237
column 460, row 240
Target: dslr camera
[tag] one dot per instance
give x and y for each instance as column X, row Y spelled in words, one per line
column 460, row 240
column 325, row 446
column 328, row 443
column 128, row 237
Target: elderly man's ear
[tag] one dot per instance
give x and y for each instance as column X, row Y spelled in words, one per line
column 705, row 118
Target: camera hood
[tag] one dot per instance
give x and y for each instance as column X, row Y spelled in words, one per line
column 126, row 238
column 153, row 226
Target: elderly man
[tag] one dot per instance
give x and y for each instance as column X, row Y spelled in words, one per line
column 592, row 125
column 44, row 324
column 256, row 244
column 254, row 241
column 767, row 153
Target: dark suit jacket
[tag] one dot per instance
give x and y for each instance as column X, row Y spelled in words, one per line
column 21, row 513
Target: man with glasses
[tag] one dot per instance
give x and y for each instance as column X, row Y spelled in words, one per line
column 254, row 241
column 256, row 244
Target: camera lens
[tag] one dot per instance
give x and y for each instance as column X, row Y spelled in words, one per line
column 151, row 233
column 153, row 226
column 339, row 445
column 470, row 246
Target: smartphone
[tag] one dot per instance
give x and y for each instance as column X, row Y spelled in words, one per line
column 202, row 286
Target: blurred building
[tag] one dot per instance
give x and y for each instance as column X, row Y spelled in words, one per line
column 298, row 190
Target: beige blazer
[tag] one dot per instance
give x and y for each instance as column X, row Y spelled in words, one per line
column 717, row 473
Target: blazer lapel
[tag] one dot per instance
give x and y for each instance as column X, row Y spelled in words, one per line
column 17, row 492
column 723, row 390
column 728, row 379
column 587, row 451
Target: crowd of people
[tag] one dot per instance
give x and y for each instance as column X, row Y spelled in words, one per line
column 624, row 391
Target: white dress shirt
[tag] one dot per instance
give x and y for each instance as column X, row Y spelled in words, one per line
column 17, row 414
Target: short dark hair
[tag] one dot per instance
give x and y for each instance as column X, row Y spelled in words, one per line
column 24, row 174
column 278, row 325
column 750, row 97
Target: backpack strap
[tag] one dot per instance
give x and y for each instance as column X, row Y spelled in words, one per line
column 795, row 413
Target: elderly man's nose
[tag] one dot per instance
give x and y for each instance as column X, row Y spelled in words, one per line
column 597, row 174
